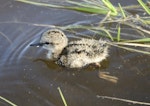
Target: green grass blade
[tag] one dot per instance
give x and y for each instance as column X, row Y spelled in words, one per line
column 89, row 10
column 6, row 100
column 91, row 28
column 118, row 34
column 146, row 8
column 39, row 4
column 143, row 40
column 84, row 8
column 110, row 6
column 133, row 50
column 122, row 11
column 62, row 97
column 133, row 44
column 109, row 35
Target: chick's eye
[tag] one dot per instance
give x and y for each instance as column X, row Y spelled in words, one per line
column 51, row 43
column 47, row 43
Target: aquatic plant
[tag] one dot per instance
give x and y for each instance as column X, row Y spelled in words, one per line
column 7, row 101
column 62, row 96
column 118, row 16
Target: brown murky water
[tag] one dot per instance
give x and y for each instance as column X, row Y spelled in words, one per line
column 27, row 78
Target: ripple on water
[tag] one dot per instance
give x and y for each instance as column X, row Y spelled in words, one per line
column 19, row 47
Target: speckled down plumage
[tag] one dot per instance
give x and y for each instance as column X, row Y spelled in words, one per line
column 83, row 52
column 75, row 54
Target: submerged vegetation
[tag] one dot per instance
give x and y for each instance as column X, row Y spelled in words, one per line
column 118, row 16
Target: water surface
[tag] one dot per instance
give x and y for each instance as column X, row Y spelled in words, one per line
column 27, row 78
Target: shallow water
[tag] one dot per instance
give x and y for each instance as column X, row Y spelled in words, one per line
column 27, row 78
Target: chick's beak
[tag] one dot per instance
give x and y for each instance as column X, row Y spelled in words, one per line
column 37, row 44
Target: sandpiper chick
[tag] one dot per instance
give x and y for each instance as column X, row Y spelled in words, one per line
column 73, row 54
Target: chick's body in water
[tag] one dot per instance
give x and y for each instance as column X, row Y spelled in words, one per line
column 75, row 54
column 83, row 52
